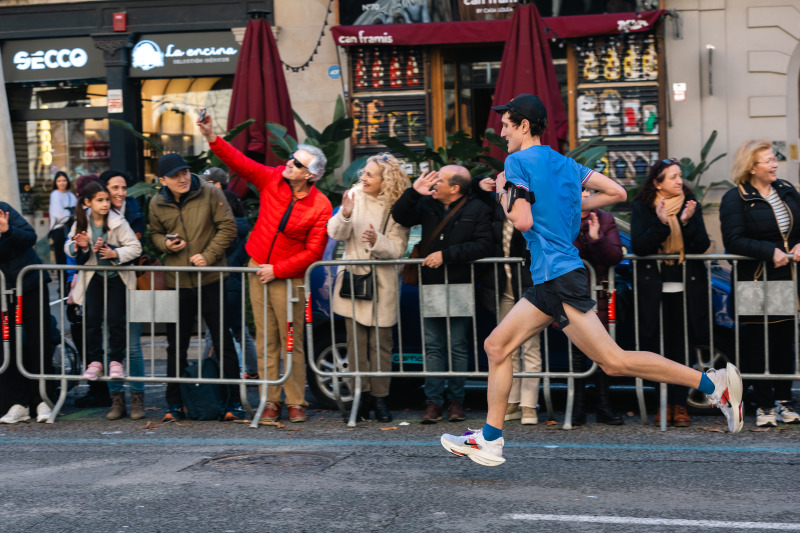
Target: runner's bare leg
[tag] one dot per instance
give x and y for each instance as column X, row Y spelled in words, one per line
column 520, row 324
column 590, row 336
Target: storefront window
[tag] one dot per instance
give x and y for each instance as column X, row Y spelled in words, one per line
column 68, row 96
column 470, row 77
column 75, row 146
column 170, row 108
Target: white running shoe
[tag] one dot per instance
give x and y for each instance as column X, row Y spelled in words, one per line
column 43, row 412
column 17, row 413
column 728, row 395
column 785, row 412
column 473, row 445
column 766, row 418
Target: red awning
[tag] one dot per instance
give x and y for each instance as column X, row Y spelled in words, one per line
column 490, row 31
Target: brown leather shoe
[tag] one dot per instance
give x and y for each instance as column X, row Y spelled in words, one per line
column 272, row 412
column 297, row 413
column 455, row 412
column 657, row 419
column 432, row 414
column 680, row 418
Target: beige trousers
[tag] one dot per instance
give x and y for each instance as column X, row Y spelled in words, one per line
column 524, row 391
column 370, row 359
column 276, row 336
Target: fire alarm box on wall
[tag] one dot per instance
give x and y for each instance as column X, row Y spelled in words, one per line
column 120, row 22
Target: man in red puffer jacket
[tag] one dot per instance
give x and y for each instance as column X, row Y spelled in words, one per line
column 289, row 235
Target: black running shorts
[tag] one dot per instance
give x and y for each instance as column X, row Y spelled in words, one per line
column 572, row 288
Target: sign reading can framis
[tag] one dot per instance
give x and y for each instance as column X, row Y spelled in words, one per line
column 184, row 54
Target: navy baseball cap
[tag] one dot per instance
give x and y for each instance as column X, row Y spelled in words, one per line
column 171, row 163
column 527, row 105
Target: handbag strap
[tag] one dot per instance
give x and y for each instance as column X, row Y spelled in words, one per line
column 424, row 248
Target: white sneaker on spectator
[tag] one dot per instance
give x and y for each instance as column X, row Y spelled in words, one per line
column 785, row 412
column 766, row 417
column 43, row 412
column 17, row 413
column 473, row 445
column 728, row 395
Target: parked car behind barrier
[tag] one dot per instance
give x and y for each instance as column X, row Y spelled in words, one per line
column 330, row 350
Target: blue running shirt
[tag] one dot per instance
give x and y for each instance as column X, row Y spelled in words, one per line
column 556, row 182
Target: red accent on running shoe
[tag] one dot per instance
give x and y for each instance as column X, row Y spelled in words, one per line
column 471, row 442
column 725, row 400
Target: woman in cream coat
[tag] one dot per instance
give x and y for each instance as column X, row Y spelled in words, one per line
column 369, row 232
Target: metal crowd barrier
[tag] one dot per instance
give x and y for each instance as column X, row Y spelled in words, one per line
column 151, row 307
column 344, row 370
column 719, row 267
column 5, row 322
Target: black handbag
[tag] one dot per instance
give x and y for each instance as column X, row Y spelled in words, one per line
column 361, row 288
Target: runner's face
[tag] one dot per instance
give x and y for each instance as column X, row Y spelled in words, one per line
column 511, row 133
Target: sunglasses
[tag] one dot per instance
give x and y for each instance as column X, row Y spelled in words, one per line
column 297, row 163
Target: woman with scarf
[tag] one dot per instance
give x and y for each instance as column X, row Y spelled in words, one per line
column 667, row 219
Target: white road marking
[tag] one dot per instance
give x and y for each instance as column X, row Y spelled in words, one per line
column 653, row 521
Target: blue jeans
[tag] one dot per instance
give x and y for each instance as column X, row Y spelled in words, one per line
column 436, row 357
column 136, row 361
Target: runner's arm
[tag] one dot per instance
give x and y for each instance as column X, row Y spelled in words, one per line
column 520, row 214
column 608, row 192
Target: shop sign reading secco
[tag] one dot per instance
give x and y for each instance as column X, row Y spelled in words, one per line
column 51, row 59
column 184, row 54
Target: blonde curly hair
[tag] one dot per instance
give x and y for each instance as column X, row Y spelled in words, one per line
column 395, row 179
column 746, row 158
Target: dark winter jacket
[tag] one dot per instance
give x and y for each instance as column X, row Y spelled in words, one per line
column 602, row 253
column 648, row 233
column 467, row 236
column 749, row 227
column 492, row 273
column 203, row 219
column 16, row 251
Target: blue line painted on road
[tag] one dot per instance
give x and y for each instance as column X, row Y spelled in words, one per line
column 294, row 441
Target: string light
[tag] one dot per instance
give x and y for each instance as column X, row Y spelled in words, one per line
column 303, row 66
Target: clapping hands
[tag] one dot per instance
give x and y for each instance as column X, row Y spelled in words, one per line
column 81, row 240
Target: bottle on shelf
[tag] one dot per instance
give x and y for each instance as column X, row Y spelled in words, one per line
column 631, row 65
column 650, row 60
column 412, row 70
column 360, row 74
column 395, row 71
column 611, row 63
column 377, row 70
column 591, row 66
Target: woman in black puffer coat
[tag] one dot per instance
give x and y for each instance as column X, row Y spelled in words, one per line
column 667, row 219
column 760, row 218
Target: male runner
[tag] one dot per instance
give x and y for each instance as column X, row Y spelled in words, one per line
column 540, row 192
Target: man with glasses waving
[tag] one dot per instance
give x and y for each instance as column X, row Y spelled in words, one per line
column 540, row 192
column 290, row 234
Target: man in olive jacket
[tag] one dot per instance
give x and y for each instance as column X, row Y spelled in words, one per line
column 465, row 237
column 191, row 221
